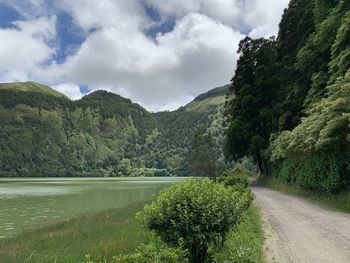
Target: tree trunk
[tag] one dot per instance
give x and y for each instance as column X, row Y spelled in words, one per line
column 260, row 163
column 199, row 252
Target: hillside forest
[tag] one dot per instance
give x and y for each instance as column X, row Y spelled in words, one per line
column 291, row 108
column 43, row 133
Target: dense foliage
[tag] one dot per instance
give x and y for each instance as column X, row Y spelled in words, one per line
column 238, row 176
column 290, row 108
column 43, row 133
column 251, row 112
column 204, row 159
column 194, row 214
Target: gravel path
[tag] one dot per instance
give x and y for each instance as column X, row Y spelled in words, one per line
column 300, row 232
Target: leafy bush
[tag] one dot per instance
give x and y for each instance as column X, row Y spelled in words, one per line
column 323, row 172
column 194, row 214
column 239, row 176
column 314, row 155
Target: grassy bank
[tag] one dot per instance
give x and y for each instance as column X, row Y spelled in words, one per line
column 245, row 244
column 101, row 235
column 339, row 202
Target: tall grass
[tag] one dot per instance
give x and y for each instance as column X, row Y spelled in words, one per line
column 101, row 235
column 245, row 243
column 117, row 232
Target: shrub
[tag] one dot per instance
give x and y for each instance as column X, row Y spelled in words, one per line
column 194, row 214
column 324, row 172
column 239, row 176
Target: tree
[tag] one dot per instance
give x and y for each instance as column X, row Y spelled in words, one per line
column 204, row 156
column 315, row 153
column 251, row 114
column 194, row 214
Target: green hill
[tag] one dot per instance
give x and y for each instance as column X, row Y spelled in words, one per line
column 31, row 87
column 215, row 97
column 43, row 133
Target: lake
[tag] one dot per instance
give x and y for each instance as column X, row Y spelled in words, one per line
column 32, row 203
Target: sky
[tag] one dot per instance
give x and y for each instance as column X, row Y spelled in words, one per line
column 159, row 53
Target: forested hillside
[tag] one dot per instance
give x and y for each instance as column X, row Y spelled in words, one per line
column 291, row 111
column 43, row 133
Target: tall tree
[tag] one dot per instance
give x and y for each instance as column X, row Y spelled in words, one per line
column 251, row 112
column 204, row 156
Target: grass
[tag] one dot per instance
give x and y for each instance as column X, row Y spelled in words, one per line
column 205, row 104
column 31, row 87
column 339, row 202
column 117, row 232
column 101, row 235
column 245, row 243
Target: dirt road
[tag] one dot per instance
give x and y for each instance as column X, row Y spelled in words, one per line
column 300, row 232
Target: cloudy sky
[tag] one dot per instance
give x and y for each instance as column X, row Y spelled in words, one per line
column 159, row 53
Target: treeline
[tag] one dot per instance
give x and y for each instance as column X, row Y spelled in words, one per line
column 291, row 108
column 102, row 134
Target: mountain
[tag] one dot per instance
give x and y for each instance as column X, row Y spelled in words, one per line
column 214, row 97
column 43, row 133
column 31, row 87
column 176, row 129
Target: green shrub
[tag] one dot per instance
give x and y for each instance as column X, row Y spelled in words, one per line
column 238, row 176
column 194, row 214
column 322, row 172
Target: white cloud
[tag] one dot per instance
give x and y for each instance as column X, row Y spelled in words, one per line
column 264, row 17
column 161, row 73
column 261, row 17
column 70, row 89
column 171, row 70
column 225, row 11
column 25, row 48
column 129, row 15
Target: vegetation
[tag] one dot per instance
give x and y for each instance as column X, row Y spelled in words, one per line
column 288, row 107
column 250, row 111
column 245, row 243
column 101, row 235
column 204, row 160
column 195, row 214
column 153, row 253
column 31, row 87
column 238, row 176
column 43, row 133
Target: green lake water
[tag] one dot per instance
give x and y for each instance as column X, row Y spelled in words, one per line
column 32, row 203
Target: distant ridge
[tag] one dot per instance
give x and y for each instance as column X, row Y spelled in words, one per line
column 217, row 92
column 31, row 87
column 44, row 134
column 212, row 98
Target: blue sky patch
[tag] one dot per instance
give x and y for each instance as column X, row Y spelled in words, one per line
column 161, row 26
column 151, row 12
column 70, row 37
column 84, row 89
column 7, row 16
